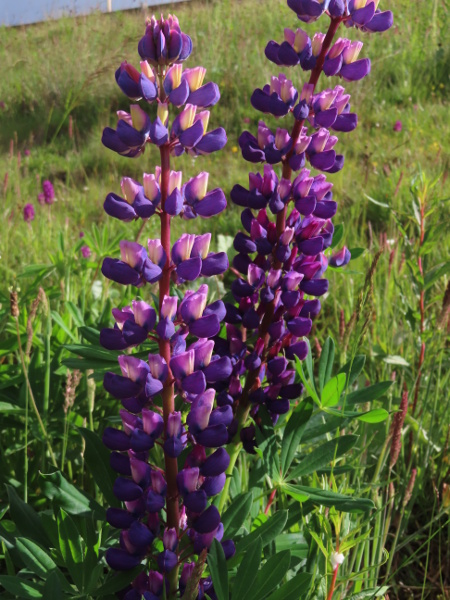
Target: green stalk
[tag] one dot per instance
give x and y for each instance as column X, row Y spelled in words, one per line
column 33, row 401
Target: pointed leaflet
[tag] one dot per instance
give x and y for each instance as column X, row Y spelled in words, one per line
column 218, row 567
column 26, row 519
column 248, row 570
column 97, row 459
column 322, row 456
column 267, row 532
column 333, row 389
column 326, row 362
column 67, row 496
column 293, row 433
column 294, row 589
column 39, row 562
column 71, row 547
column 270, row 576
column 236, row 513
column 368, row 394
column 353, row 368
column 21, row 588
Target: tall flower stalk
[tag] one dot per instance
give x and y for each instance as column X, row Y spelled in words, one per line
column 169, row 417
column 283, row 254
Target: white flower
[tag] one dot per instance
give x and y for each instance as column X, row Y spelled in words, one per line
column 336, row 559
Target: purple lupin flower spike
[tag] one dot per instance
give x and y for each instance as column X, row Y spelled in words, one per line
column 281, row 259
column 169, row 399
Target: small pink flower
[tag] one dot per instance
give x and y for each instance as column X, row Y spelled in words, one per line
column 81, row 234
column 86, row 251
column 28, row 213
column 246, row 119
column 397, row 126
column 41, row 198
column 27, row 152
column 2, row 105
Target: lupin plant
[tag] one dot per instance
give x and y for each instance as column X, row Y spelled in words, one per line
column 168, row 399
column 285, row 250
column 204, row 391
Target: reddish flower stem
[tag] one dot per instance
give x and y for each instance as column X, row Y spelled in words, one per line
column 271, row 499
column 421, row 308
column 333, row 584
column 168, row 395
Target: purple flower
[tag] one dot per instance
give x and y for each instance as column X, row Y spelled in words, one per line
column 397, row 126
column 48, row 192
column 164, row 43
column 86, row 251
column 28, row 213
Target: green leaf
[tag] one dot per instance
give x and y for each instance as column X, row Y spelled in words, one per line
column 91, row 335
column 52, row 586
column 26, row 519
column 117, row 582
column 435, row 274
column 236, row 513
column 270, row 575
column 356, row 252
column 268, row 531
column 353, row 368
column 294, row 589
column 85, row 364
column 333, row 390
column 337, row 235
column 7, row 408
column 268, row 445
column 328, row 498
column 60, row 321
column 68, row 497
column 92, row 352
column 97, row 458
column 295, row 542
column 75, row 312
column 20, row 588
column 321, row 424
column 367, row 394
column 372, row 416
column 309, row 365
column 71, row 547
column 38, row 560
column 326, row 362
column 218, row 566
column 377, row 415
column 321, row 457
column 248, row 571
column 308, row 385
column 293, row 433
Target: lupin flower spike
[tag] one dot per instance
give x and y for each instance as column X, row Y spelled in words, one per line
column 163, row 502
column 287, row 231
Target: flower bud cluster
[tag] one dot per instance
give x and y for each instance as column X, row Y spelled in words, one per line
column 168, row 398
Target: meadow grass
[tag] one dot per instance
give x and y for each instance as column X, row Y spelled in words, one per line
column 59, row 92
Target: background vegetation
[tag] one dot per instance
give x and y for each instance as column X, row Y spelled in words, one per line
column 392, row 303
